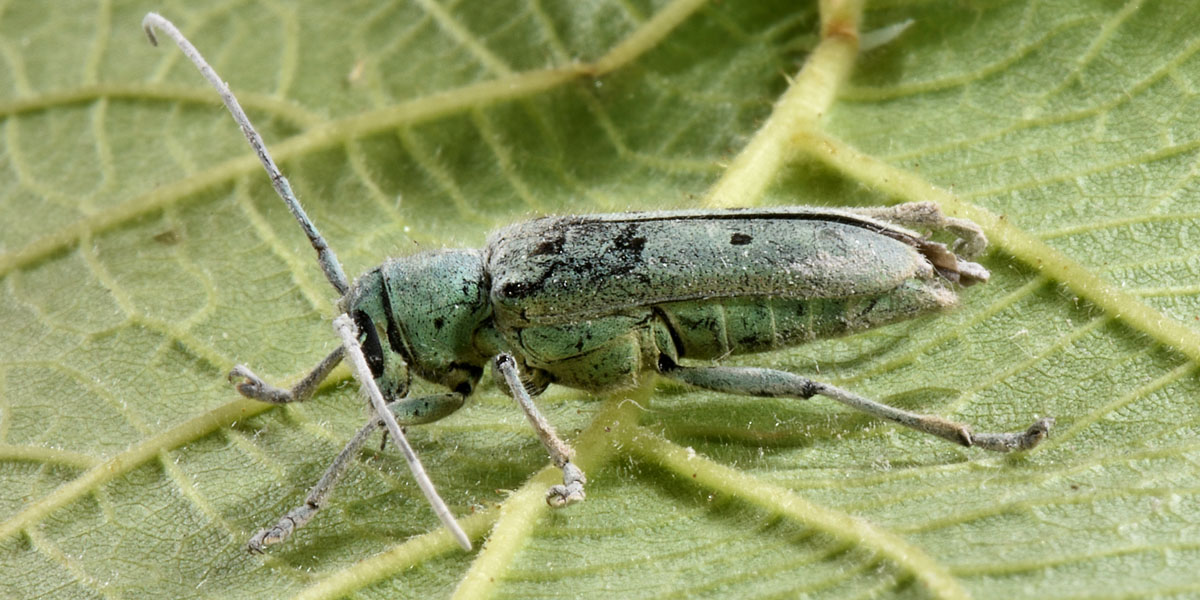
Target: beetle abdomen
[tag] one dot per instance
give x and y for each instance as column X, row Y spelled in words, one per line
column 610, row 352
column 711, row 329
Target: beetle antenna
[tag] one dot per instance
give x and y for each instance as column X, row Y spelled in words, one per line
column 325, row 256
column 349, row 334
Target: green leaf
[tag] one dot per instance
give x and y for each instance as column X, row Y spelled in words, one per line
column 143, row 254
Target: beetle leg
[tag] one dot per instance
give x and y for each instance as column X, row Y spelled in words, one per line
column 571, row 489
column 346, row 329
column 752, row 381
column 424, row 409
column 927, row 215
column 297, row 517
column 256, row 389
column 408, row 411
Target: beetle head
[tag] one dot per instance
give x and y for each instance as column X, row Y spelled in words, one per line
column 421, row 312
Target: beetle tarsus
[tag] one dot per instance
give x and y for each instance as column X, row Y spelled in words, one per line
column 255, row 388
column 267, row 537
column 1014, row 442
column 571, row 490
column 971, row 273
column 971, row 240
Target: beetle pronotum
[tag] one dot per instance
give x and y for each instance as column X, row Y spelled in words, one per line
column 594, row 302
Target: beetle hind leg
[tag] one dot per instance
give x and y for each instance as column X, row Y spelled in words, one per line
column 769, row 383
column 921, row 215
column 254, row 388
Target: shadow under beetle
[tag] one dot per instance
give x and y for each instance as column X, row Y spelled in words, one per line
column 596, row 301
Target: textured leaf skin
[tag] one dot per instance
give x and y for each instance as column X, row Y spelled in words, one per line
column 142, row 254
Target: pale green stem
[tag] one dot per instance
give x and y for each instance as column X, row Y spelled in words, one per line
column 782, row 501
column 127, row 460
column 397, row 559
column 521, row 511
column 806, row 100
column 1011, row 239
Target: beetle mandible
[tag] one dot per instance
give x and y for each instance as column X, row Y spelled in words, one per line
column 595, row 302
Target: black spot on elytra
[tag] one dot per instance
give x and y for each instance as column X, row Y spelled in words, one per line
column 551, row 247
column 740, row 239
column 629, row 240
column 623, row 257
column 600, row 252
column 515, row 289
column 438, row 323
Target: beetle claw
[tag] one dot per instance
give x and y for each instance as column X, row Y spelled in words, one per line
column 255, row 388
column 1015, row 442
column 266, row 537
column 562, row 495
column 571, row 490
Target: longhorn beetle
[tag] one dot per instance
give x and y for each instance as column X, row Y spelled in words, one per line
column 594, row 302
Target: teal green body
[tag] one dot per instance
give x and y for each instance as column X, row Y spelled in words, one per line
column 593, row 302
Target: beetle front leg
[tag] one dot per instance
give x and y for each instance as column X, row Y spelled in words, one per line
column 571, row 489
column 752, row 381
column 255, row 388
column 408, row 411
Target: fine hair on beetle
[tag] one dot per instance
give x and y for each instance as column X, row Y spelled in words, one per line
column 597, row 302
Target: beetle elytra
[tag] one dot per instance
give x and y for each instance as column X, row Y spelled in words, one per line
column 596, row 302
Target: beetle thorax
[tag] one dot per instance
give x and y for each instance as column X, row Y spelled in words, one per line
column 422, row 313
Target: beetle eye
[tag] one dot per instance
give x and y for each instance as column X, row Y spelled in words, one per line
column 372, row 349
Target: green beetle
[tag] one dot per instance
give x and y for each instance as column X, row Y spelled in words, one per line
column 597, row 302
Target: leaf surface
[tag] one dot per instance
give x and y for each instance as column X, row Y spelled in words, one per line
column 143, row 254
